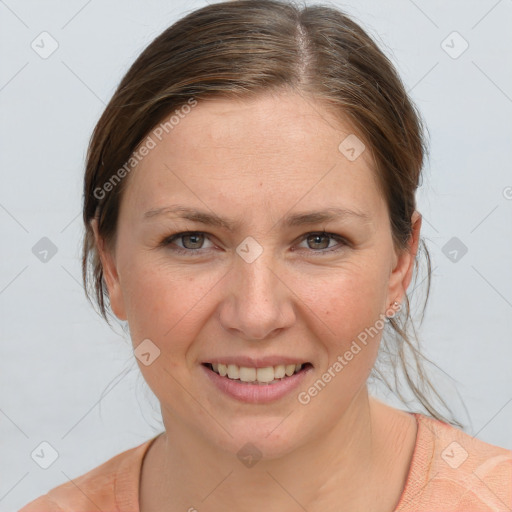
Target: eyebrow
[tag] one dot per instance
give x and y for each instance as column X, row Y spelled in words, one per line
column 296, row 219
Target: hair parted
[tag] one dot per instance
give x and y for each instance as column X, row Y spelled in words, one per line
column 242, row 49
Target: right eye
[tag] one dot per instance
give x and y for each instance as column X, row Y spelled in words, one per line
column 190, row 241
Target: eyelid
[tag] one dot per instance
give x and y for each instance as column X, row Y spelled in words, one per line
column 341, row 241
column 167, row 241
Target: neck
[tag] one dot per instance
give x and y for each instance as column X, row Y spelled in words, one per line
column 337, row 467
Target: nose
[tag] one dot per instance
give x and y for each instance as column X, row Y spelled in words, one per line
column 258, row 303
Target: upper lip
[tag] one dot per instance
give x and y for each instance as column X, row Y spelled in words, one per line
column 256, row 362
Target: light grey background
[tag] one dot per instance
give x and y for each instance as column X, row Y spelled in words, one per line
column 68, row 379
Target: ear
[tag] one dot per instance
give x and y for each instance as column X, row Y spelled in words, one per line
column 401, row 274
column 110, row 274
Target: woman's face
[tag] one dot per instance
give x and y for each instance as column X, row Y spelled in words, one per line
column 262, row 288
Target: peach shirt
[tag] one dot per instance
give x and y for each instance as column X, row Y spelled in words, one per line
column 450, row 471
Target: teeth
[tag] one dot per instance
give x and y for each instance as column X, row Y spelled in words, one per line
column 233, row 372
column 289, row 369
column 263, row 375
column 279, row 371
column 247, row 374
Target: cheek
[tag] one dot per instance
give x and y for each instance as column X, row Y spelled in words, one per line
column 349, row 306
column 165, row 303
column 170, row 304
column 167, row 306
column 350, row 300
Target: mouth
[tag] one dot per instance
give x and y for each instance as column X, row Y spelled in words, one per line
column 268, row 375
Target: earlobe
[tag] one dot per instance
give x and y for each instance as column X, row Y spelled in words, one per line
column 110, row 274
column 401, row 275
column 416, row 221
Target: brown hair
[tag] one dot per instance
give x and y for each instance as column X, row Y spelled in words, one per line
column 249, row 47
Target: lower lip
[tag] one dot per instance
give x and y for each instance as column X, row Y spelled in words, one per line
column 257, row 393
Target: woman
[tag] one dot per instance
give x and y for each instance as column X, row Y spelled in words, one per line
column 250, row 211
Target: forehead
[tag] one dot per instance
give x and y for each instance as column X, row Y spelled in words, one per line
column 276, row 149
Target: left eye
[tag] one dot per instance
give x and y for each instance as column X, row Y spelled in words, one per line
column 192, row 242
column 315, row 239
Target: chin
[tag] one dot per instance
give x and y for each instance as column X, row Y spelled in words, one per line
column 258, row 438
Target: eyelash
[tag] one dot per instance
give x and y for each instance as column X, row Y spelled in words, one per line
column 168, row 240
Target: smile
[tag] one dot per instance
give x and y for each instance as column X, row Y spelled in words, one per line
column 265, row 375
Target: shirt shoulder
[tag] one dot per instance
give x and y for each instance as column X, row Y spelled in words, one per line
column 451, row 471
column 107, row 487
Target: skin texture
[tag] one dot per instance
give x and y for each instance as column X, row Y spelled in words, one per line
column 256, row 162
